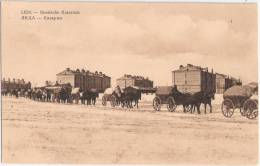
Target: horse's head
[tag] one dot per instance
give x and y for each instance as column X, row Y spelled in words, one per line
column 118, row 91
column 210, row 95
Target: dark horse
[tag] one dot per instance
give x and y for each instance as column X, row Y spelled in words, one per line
column 92, row 96
column 131, row 95
column 127, row 97
column 205, row 98
column 192, row 101
column 64, row 94
column 185, row 99
column 89, row 95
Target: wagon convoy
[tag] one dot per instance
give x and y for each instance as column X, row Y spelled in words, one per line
column 192, row 86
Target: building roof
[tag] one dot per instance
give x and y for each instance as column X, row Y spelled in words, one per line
column 17, row 81
column 190, row 67
column 128, row 76
column 221, row 75
column 69, row 71
column 218, row 75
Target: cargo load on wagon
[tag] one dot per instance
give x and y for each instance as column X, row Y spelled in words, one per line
column 242, row 91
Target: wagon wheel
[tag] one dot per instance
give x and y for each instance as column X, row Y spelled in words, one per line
column 171, row 105
column 251, row 109
column 113, row 101
column 157, row 102
column 104, row 101
column 227, row 108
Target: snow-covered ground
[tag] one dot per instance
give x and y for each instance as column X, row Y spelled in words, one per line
column 37, row 132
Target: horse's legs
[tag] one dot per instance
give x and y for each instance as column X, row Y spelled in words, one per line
column 130, row 103
column 184, row 109
column 210, row 107
column 198, row 108
column 205, row 108
column 94, row 101
column 192, row 108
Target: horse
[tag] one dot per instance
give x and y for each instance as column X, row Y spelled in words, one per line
column 65, row 95
column 89, row 95
column 205, row 99
column 184, row 99
column 93, row 93
column 4, row 92
column 39, row 95
column 132, row 95
column 202, row 97
column 48, row 95
column 82, row 97
column 119, row 95
column 14, row 92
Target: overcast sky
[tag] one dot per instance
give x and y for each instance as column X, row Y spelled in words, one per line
column 149, row 39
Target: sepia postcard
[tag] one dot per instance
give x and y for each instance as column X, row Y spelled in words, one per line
column 129, row 83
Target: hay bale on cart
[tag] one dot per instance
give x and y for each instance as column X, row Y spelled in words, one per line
column 239, row 97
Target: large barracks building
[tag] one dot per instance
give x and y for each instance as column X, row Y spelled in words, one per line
column 84, row 79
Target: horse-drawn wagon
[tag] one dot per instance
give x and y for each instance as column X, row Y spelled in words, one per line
column 123, row 97
column 242, row 98
column 109, row 96
column 59, row 92
column 163, row 96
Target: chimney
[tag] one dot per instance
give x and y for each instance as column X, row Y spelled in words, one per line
column 13, row 80
column 9, row 80
column 68, row 69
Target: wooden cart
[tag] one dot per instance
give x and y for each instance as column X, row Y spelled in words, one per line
column 247, row 105
column 163, row 96
column 109, row 97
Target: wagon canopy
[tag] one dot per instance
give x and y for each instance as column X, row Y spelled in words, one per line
column 241, row 91
column 164, row 90
column 75, row 91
